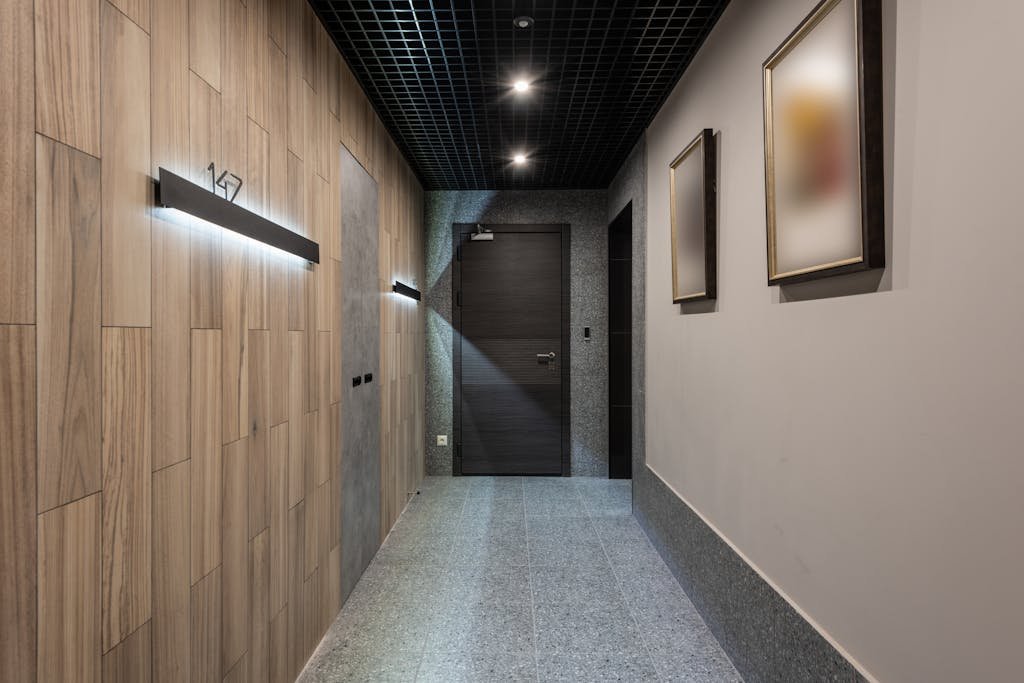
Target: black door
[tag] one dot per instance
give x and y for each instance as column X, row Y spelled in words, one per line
column 511, row 349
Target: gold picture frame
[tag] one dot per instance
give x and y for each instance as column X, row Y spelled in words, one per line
column 693, row 220
column 824, row 185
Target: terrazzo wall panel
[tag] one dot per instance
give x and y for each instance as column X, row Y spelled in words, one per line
column 585, row 212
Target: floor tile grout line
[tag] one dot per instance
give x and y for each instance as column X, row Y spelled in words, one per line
column 533, row 597
column 622, row 594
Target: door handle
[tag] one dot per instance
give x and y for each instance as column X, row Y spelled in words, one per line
column 546, row 357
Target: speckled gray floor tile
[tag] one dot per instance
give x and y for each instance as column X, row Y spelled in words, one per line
column 631, row 668
column 507, row 579
column 478, row 667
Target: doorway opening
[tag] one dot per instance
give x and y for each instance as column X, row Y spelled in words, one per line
column 620, row 345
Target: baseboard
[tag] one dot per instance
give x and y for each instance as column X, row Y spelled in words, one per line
column 762, row 632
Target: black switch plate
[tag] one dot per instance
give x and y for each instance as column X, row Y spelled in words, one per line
column 357, row 380
column 586, row 333
column 368, row 377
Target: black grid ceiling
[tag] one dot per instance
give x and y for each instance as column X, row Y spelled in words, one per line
column 439, row 74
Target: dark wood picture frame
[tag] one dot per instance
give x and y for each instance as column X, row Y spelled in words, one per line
column 704, row 143
column 870, row 117
column 460, row 234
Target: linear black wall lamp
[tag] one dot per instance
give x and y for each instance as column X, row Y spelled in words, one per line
column 175, row 192
column 406, row 290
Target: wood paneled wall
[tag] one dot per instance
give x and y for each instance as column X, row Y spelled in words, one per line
column 170, row 394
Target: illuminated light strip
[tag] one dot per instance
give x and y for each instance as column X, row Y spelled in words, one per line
column 406, row 290
column 175, row 192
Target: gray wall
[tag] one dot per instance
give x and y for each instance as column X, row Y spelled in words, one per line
column 360, row 354
column 860, row 453
column 585, row 211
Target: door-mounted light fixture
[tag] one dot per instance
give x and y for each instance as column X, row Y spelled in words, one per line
column 175, row 192
column 406, row 290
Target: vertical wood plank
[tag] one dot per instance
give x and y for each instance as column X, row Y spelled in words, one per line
column 310, row 449
column 335, row 456
column 278, row 484
column 236, row 342
column 67, row 50
column 259, row 431
column 323, row 441
column 205, row 249
column 296, row 418
column 206, row 453
column 279, row 662
column 17, row 164
column 310, row 613
column 127, row 482
column 235, row 606
column 204, row 39
column 277, row 22
column 234, row 89
column 296, row 576
column 313, row 513
column 299, row 97
column 170, row 235
column 235, row 362
column 334, row 583
column 169, row 69
column 18, row 502
column 171, row 578
column 69, row 595
column 297, row 273
column 68, row 304
column 258, row 257
column 205, row 629
column 131, row 661
column 259, row 661
column 258, row 46
column 307, row 42
column 127, row 188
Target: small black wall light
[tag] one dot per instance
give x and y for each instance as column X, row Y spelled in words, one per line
column 406, row 290
column 175, row 192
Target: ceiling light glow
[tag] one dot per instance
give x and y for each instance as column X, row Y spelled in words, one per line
column 519, row 159
column 521, row 86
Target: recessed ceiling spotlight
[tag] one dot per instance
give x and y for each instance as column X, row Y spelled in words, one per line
column 523, row 21
column 521, row 86
column 519, row 159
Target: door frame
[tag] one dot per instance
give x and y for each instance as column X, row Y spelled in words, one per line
column 460, row 231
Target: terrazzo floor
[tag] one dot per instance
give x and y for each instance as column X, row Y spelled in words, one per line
column 518, row 579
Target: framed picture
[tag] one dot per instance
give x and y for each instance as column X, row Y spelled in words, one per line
column 694, row 220
column 824, row 174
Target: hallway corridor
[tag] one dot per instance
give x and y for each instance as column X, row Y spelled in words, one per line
column 512, row 579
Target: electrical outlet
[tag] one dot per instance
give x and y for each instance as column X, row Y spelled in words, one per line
column 442, row 439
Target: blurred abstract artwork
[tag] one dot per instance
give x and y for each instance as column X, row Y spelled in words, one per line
column 823, row 145
column 694, row 225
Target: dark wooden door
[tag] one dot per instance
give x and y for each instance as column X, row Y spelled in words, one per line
column 511, row 350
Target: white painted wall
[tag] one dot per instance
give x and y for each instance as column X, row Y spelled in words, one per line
column 865, row 453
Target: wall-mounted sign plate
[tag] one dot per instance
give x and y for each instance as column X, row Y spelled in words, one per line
column 175, row 192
